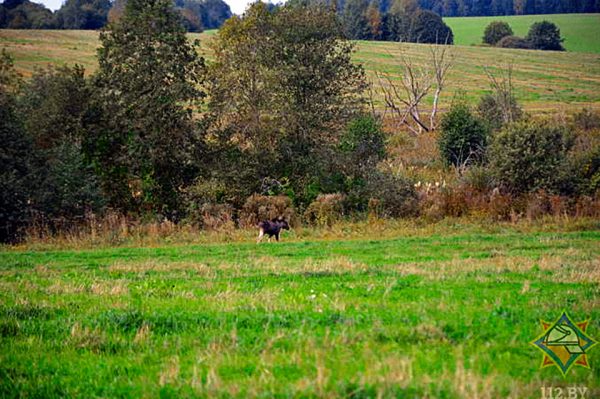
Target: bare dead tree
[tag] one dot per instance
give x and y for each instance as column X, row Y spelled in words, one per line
column 442, row 61
column 403, row 97
column 503, row 94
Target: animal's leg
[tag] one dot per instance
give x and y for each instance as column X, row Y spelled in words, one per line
column 277, row 236
column 261, row 234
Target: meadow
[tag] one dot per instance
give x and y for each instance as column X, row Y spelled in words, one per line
column 388, row 309
column 580, row 31
column 544, row 81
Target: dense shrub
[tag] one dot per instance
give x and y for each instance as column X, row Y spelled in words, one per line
column 530, row 155
column 495, row 31
column 514, row 42
column 262, row 207
column 390, row 196
column 463, row 137
column 325, row 210
column 545, row 35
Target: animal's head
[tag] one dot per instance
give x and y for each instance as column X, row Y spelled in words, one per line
column 282, row 223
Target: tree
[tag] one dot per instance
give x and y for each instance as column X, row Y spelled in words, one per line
column 375, row 21
column 283, row 83
column 355, row 19
column 83, row 14
column 463, row 138
column 24, row 14
column 428, row 27
column 15, row 156
column 54, row 104
column 404, row 99
column 148, row 82
column 495, row 31
column 545, row 35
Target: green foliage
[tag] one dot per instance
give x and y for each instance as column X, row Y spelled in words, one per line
column 196, row 15
column 529, row 156
column 514, row 42
column 463, row 137
column 545, row 35
column 83, row 14
column 428, row 27
column 15, row 157
column 363, row 142
column 148, row 82
column 54, row 105
column 24, row 14
column 282, row 86
column 496, row 31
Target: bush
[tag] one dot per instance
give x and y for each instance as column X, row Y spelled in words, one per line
column 545, row 35
column 530, row 155
column 325, row 210
column 463, row 138
column 262, row 207
column 495, row 31
column 514, row 42
column 390, row 196
column 495, row 109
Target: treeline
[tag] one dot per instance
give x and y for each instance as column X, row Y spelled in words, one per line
column 472, row 8
column 197, row 15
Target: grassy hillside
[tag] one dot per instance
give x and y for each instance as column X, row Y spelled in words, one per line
column 581, row 31
column 446, row 313
column 545, row 81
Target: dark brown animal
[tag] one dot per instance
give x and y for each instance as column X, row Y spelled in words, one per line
column 271, row 228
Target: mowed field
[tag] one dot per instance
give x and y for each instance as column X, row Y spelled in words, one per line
column 544, row 81
column 580, row 31
column 440, row 311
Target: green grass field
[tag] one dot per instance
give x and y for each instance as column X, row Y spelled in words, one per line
column 580, row 31
column 442, row 311
column 544, row 81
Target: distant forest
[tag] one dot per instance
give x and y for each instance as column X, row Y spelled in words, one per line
column 468, row 8
column 197, row 15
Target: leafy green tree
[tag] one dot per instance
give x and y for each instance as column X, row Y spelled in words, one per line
column 545, row 35
column 15, row 156
column 463, row 138
column 54, row 105
column 283, row 83
column 24, row 14
column 148, row 83
column 83, row 14
column 528, row 156
column 428, row 27
column 495, row 31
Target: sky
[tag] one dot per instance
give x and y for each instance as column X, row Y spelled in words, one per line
column 237, row 6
